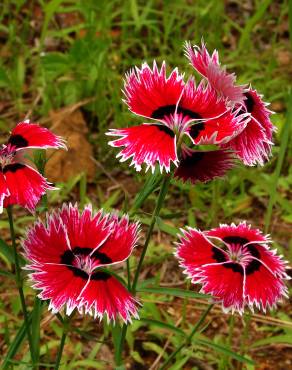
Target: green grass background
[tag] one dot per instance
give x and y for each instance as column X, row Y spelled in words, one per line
column 59, row 53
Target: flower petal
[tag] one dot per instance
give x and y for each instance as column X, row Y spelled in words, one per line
column 238, row 234
column 268, row 258
column 149, row 93
column 85, row 230
column 123, row 238
column 253, row 144
column 203, row 166
column 25, row 184
column 60, row 285
column 218, row 130
column 225, row 283
column 201, row 101
column 147, row 143
column 46, row 244
column 105, row 295
column 208, row 66
column 263, row 288
column 195, row 250
column 32, row 135
column 4, row 191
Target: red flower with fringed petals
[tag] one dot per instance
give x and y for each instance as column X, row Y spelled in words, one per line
column 20, row 183
column 235, row 265
column 68, row 255
column 178, row 110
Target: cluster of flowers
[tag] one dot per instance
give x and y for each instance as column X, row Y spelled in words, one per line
column 70, row 252
column 186, row 114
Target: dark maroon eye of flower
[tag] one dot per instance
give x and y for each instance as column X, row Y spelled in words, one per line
column 235, row 267
column 167, row 110
column 163, row 111
column 235, row 240
column 165, row 129
column 249, row 102
column 219, row 255
column 18, row 141
column 196, row 129
column 13, row 167
column 83, row 262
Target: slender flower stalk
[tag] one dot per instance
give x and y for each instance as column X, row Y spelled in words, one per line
column 162, row 194
column 189, row 338
column 66, row 321
column 159, row 203
column 19, row 280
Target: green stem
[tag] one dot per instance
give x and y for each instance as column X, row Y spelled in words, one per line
column 243, row 345
column 19, row 284
column 35, row 328
column 159, row 202
column 128, row 274
column 226, row 359
column 119, row 351
column 185, row 303
column 62, row 342
column 189, row 338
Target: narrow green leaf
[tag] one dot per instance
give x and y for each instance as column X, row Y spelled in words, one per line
column 15, row 344
column 148, row 188
column 223, row 350
column 179, row 363
column 7, row 252
column 285, row 338
column 35, row 327
column 173, row 291
column 251, row 23
column 163, row 325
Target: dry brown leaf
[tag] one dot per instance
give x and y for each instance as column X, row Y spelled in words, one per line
column 64, row 165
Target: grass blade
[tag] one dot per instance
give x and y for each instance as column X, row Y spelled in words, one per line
column 163, row 325
column 14, row 346
column 283, row 147
column 224, row 350
column 174, row 292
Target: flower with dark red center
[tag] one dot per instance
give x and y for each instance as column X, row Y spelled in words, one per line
column 235, row 265
column 69, row 255
column 20, row 183
column 179, row 111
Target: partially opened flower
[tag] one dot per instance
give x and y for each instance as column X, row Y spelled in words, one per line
column 253, row 144
column 68, row 255
column 19, row 182
column 235, row 265
column 209, row 67
column 179, row 112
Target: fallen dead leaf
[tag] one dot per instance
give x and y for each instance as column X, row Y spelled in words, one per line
column 62, row 164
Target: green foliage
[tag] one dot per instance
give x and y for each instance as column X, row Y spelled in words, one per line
column 47, row 63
